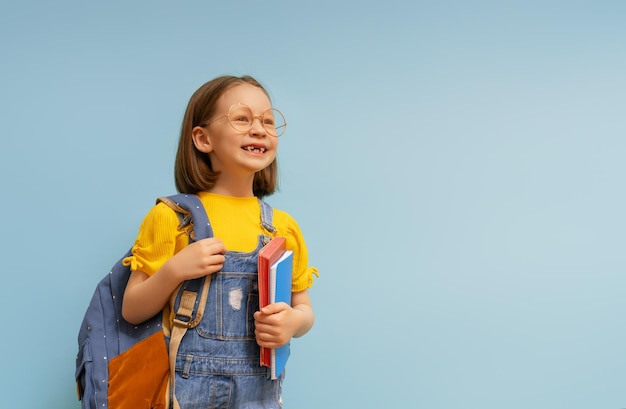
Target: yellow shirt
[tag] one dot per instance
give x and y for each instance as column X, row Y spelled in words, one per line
column 235, row 221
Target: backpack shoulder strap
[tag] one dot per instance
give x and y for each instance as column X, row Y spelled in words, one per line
column 188, row 310
column 194, row 217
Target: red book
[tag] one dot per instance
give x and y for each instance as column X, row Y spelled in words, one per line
column 268, row 255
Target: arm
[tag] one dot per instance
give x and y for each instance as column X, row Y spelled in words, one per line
column 277, row 323
column 301, row 302
column 146, row 295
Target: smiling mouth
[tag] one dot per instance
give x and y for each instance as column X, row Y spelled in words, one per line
column 256, row 149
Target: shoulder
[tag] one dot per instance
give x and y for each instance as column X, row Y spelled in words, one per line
column 160, row 216
column 161, row 210
column 283, row 219
column 287, row 226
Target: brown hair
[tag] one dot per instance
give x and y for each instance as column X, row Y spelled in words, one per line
column 193, row 172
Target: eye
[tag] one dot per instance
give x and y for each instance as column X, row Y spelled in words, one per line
column 241, row 118
column 268, row 119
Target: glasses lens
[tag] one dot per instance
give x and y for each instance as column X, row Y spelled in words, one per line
column 241, row 118
column 274, row 122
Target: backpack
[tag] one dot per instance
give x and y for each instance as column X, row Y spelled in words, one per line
column 121, row 365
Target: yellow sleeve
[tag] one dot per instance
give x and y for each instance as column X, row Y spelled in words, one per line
column 302, row 272
column 158, row 240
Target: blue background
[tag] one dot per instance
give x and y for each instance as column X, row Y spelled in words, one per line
column 456, row 167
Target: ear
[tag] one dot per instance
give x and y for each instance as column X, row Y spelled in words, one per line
column 201, row 139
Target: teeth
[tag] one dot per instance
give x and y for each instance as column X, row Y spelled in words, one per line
column 254, row 149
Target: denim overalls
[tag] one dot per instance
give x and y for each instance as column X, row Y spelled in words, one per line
column 217, row 365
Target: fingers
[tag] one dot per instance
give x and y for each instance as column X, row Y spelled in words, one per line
column 210, row 251
column 272, row 325
column 212, row 245
column 201, row 258
column 275, row 308
column 270, row 337
column 215, row 254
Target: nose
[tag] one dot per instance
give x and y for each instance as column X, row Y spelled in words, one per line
column 257, row 127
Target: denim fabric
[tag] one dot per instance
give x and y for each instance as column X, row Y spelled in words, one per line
column 217, row 365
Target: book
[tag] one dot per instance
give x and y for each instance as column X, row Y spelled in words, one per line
column 268, row 255
column 280, row 291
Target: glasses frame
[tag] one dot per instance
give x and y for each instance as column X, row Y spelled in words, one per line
column 279, row 131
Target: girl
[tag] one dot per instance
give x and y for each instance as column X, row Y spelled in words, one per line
column 226, row 156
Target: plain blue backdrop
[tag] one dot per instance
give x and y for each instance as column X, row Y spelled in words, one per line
column 457, row 169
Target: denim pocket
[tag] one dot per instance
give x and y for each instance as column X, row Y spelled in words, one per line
column 229, row 313
column 253, row 306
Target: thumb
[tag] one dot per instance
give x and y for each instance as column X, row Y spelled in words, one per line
column 274, row 308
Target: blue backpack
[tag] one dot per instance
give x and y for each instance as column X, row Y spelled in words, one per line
column 121, row 365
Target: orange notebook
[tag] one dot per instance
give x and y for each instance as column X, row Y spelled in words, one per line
column 268, row 255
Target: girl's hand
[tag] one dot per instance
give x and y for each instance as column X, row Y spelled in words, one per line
column 198, row 259
column 276, row 324
column 146, row 295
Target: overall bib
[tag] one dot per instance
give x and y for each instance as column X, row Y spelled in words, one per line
column 217, row 365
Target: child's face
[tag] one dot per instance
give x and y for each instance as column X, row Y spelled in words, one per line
column 234, row 152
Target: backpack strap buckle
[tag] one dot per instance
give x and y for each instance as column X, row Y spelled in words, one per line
column 185, row 309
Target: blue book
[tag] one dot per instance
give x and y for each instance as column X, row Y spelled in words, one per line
column 280, row 291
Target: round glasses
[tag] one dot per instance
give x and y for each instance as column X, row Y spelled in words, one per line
column 241, row 118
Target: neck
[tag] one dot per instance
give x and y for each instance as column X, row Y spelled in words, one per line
column 233, row 187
